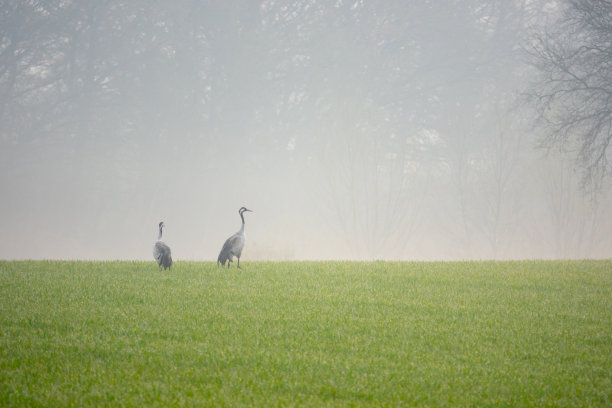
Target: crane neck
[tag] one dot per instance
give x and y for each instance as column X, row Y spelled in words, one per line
column 242, row 217
column 160, row 234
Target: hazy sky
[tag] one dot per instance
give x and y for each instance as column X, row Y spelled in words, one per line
column 352, row 129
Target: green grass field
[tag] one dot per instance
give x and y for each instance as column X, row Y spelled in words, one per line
column 306, row 334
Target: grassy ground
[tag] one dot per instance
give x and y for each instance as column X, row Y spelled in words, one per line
column 308, row 334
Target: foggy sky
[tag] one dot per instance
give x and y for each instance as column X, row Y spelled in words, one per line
column 352, row 129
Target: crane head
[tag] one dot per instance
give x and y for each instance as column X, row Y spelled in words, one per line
column 243, row 209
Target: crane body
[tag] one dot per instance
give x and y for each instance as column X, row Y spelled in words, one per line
column 161, row 251
column 233, row 245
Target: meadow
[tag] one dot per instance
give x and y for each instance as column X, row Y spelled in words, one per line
column 529, row 333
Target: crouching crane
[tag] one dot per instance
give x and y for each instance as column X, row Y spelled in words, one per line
column 161, row 251
column 234, row 244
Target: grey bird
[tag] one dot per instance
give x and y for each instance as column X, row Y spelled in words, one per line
column 161, row 251
column 234, row 244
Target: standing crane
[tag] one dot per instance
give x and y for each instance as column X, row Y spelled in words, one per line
column 234, row 244
column 161, row 251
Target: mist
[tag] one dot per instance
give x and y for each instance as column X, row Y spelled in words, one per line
column 353, row 130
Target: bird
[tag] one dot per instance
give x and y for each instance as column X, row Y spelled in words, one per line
column 233, row 245
column 161, row 251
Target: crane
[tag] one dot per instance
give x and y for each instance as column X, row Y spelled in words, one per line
column 161, row 251
column 233, row 245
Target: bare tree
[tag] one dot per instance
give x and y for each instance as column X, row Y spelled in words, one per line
column 577, row 223
column 572, row 92
column 377, row 180
column 501, row 214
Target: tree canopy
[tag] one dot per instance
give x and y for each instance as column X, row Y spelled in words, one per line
column 572, row 92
